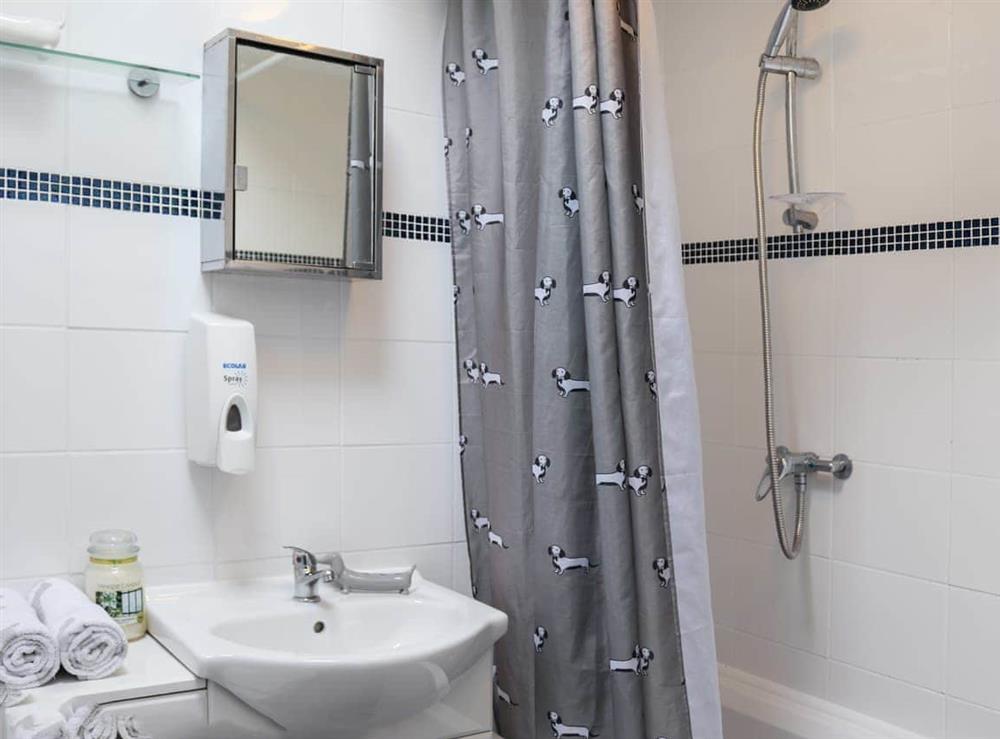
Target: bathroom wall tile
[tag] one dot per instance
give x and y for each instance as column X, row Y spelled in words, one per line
column 869, row 426
column 770, row 598
column 434, row 562
column 878, row 74
column 249, row 569
column 792, row 667
column 413, row 301
column 716, row 373
column 975, row 547
column 727, row 511
column 399, row 496
column 802, row 307
column 172, row 119
column 143, row 373
column 34, row 104
column 128, row 270
column 908, row 188
column 894, row 519
column 977, row 304
column 706, row 122
column 401, row 392
column 319, row 306
column 461, row 575
column 88, row 22
column 722, row 554
column 908, row 707
column 33, row 261
column 804, row 407
column 418, row 50
column 895, row 305
column 180, row 574
column 413, row 153
column 730, row 29
column 33, row 368
column 309, row 497
column 271, row 304
column 975, row 144
column 707, row 202
column 977, row 417
column 291, row 498
column 711, row 291
column 973, row 644
column 299, row 391
column 160, row 496
column 869, row 631
column 34, row 507
column 975, row 56
column 966, row 721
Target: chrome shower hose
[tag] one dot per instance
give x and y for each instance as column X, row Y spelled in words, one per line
column 789, row 549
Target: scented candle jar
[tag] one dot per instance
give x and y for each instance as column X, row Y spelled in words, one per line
column 113, row 579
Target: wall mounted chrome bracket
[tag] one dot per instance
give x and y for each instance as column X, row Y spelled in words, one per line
column 143, row 83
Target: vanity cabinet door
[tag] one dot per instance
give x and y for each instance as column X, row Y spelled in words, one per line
column 177, row 716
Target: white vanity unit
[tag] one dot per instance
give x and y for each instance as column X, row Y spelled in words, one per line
column 243, row 659
column 165, row 698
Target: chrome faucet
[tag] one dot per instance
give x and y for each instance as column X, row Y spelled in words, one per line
column 310, row 569
column 308, row 573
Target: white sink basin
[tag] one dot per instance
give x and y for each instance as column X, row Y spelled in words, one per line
column 334, row 668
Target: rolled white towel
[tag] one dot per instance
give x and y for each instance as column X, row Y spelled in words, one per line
column 92, row 722
column 91, row 644
column 128, row 728
column 9, row 696
column 39, row 727
column 29, row 656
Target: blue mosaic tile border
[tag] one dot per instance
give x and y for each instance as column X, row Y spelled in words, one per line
column 141, row 197
column 422, row 228
column 968, row 232
column 97, row 192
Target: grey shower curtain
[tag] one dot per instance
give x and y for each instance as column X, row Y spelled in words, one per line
column 568, row 522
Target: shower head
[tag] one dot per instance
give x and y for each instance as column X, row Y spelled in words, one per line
column 784, row 23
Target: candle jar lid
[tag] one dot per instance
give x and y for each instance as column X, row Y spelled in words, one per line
column 113, row 544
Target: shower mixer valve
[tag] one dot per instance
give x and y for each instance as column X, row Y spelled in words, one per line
column 799, row 465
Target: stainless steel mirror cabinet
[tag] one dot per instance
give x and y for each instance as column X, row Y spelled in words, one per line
column 292, row 139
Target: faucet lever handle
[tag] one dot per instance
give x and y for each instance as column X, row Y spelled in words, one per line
column 303, row 558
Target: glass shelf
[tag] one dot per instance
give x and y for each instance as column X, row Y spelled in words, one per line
column 143, row 79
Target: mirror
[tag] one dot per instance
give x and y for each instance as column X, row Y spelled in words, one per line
column 292, row 136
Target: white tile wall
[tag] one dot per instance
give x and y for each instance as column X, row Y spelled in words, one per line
column 891, row 358
column 889, row 624
column 356, row 445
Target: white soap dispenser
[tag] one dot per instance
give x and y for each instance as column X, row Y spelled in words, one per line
column 221, row 393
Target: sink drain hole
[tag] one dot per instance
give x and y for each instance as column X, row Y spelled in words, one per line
column 318, row 627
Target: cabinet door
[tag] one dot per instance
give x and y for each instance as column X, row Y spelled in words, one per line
column 177, row 716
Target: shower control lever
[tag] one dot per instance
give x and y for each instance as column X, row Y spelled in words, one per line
column 799, row 465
